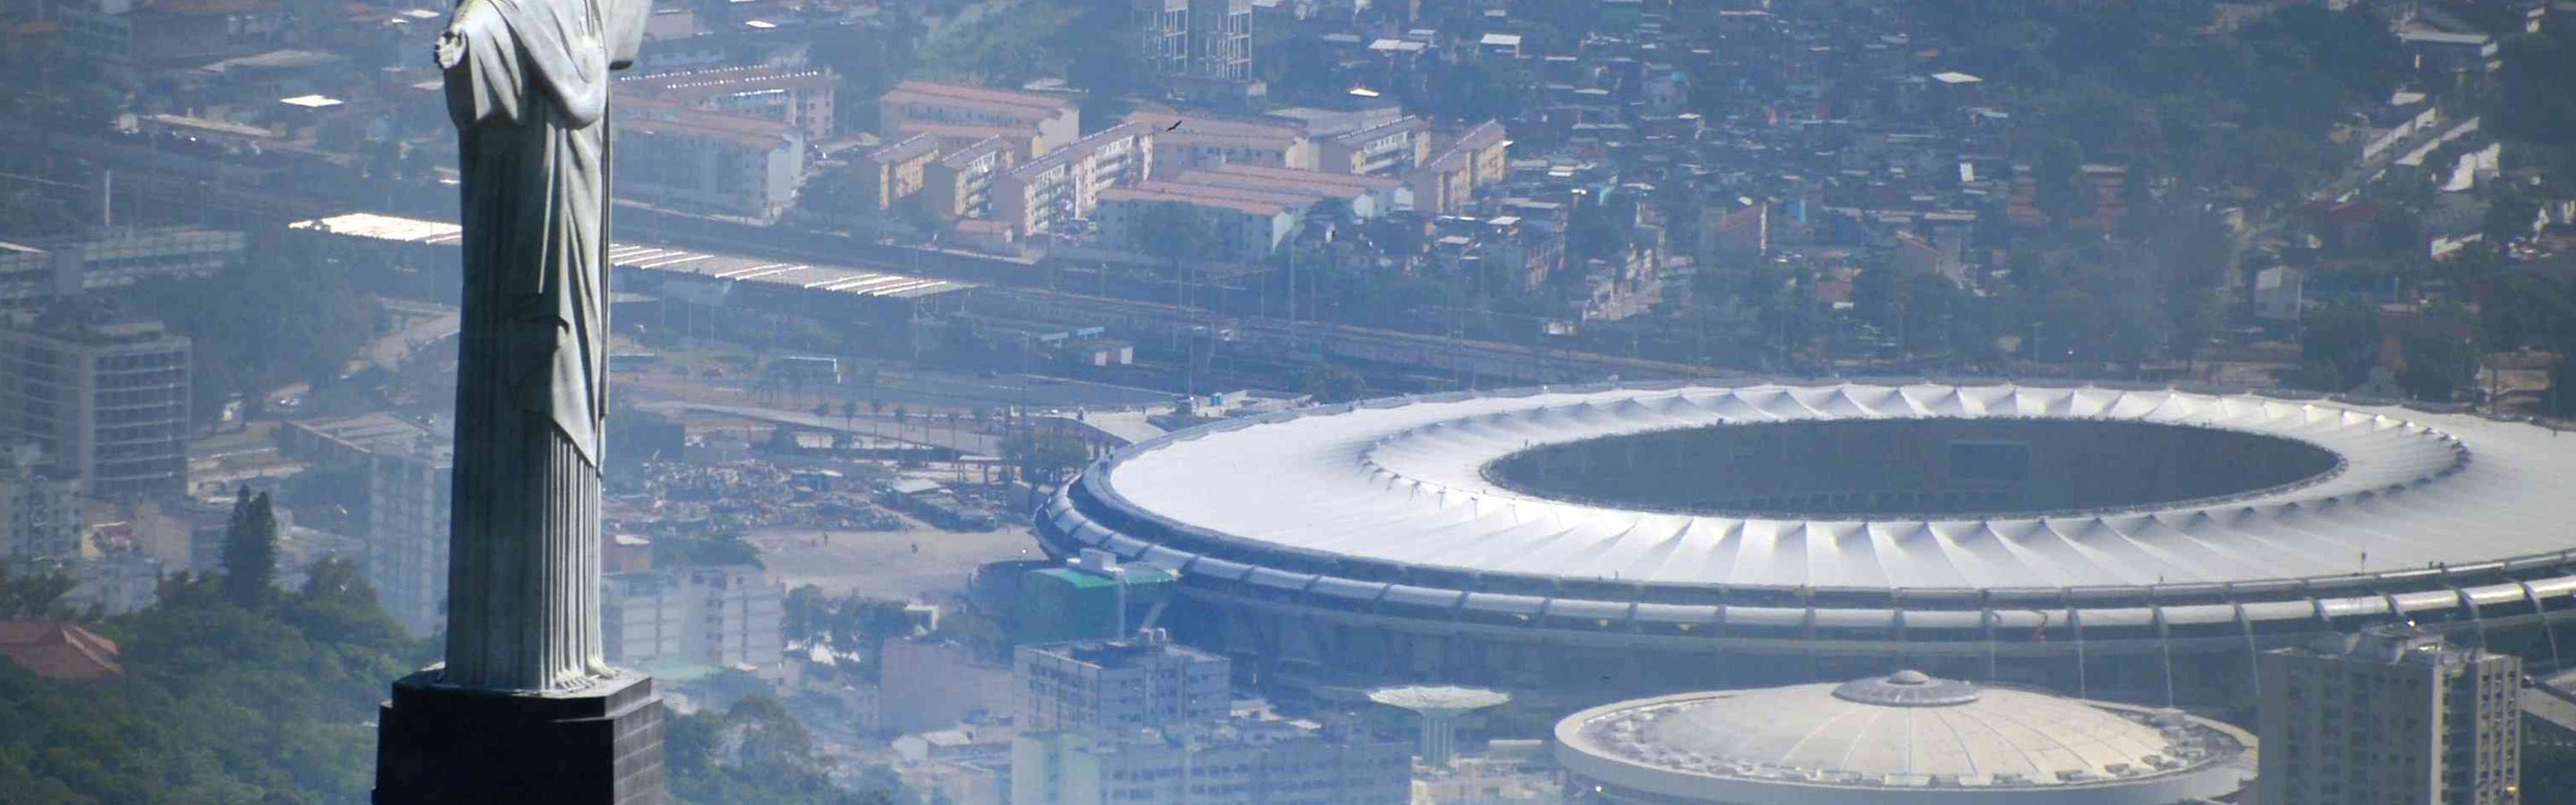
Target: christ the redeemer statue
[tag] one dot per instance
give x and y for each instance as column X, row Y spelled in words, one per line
column 526, row 709
column 527, row 85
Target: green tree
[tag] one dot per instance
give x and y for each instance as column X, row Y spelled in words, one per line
column 834, row 194
column 2508, row 219
column 1180, row 237
column 1604, row 230
column 286, row 313
column 783, row 441
column 2063, row 193
column 1332, row 384
column 2548, row 770
column 2338, row 345
column 806, row 609
column 2534, row 105
column 218, row 704
column 720, row 545
column 772, row 761
column 2559, row 400
column 1044, row 459
column 1006, row 47
column 250, row 550
column 337, row 605
column 34, row 597
column 1100, row 59
column 2437, row 368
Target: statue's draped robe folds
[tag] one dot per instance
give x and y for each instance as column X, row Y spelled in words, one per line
column 527, row 84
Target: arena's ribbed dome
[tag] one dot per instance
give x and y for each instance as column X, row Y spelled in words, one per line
column 1963, row 524
column 1882, row 739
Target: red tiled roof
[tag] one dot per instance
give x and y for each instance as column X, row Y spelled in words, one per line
column 1024, row 105
column 62, row 651
column 1350, row 183
column 1117, row 194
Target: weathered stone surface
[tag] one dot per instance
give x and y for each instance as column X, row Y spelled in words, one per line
column 445, row 744
column 526, row 709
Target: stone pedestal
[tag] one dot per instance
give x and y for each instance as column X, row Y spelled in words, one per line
column 445, row 745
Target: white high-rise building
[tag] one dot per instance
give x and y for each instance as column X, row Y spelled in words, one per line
column 409, row 472
column 1233, row 761
column 105, row 397
column 1119, row 684
column 40, row 515
column 409, row 490
column 2392, row 715
column 1208, row 39
column 1221, row 39
column 726, row 617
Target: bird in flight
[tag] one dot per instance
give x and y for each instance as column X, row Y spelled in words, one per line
column 1175, row 125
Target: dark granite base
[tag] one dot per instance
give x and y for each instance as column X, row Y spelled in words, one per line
column 443, row 745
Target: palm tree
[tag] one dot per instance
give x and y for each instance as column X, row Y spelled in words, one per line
column 876, row 408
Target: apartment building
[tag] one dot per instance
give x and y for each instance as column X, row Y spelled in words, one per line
column 2392, row 715
column 410, row 490
column 1221, row 39
column 1190, row 139
column 1242, row 760
column 1118, row 684
column 959, row 183
column 35, row 273
column 896, row 172
column 1050, row 121
column 1052, row 190
column 722, row 617
column 1202, row 39
column 797, row 96
column 1477, row 158
column 106, row 396
column 1162, row 35
column 699, row 162
column 1391, row 149
column 40, row 513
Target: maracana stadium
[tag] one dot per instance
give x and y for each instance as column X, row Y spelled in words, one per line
column 2138, row 544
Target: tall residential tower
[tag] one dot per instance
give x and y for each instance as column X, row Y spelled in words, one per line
column 2388, row 716
column 105, row 396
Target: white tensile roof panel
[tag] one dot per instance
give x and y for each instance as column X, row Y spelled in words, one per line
column 1404, row 485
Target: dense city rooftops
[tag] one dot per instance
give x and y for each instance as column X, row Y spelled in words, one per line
column 822, row 278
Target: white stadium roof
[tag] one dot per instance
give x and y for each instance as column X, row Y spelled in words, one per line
column 1400, row 482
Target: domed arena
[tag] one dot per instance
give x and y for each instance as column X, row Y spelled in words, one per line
column 1902, row 738
column 2131, row 544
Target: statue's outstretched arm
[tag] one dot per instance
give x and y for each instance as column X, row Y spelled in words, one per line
column 485, row 82
column 624, row 26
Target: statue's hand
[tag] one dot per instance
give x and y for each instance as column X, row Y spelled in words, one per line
column 451, row 49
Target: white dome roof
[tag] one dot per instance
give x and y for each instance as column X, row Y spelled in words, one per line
column 1809, row 728
column 1898, row 738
